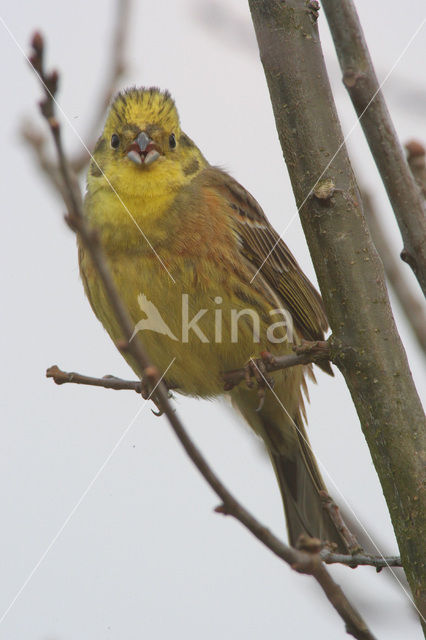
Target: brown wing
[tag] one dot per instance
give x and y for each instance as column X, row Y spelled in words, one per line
column 262, row 247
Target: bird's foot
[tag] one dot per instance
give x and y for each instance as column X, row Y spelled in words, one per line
column 257, row 368
column 149, row 383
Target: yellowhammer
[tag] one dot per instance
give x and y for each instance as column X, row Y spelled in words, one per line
column 184, row 242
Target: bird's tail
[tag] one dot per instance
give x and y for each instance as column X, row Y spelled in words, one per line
column 301, row 484
column 298, row 476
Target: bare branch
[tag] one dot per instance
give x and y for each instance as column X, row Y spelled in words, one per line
column 412, row 308
column 306, row 353
column 300, row 561
column 107, row 382
column 365, row 343
column 361, row 82
column 371, row 549
column 37, row 141
column 116, row 68
column 334, row 511
column 69, row 188
column 360, row 560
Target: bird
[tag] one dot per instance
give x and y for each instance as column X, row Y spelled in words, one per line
column 191, row 242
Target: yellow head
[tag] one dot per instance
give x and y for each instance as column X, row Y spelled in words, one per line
column 142, row 150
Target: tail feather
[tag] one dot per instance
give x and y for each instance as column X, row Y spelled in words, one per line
column 303, row 505
column 300, row 484
column 298, row 476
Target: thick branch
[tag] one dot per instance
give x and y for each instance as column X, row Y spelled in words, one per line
column 300, row 561
column 361, row 82
column 365, row 343
column 412, row 308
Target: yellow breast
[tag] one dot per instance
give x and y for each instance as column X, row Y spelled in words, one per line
column 187, row 289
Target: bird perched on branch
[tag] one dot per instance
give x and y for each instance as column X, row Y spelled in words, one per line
column 193, row 244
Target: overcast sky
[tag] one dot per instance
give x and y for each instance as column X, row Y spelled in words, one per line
column 143, row 554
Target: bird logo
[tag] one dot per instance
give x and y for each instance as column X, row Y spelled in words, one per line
column 153, row 320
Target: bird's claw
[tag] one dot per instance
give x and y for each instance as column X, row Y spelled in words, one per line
column 257, row 368
column 148, row 383
column 158, row 413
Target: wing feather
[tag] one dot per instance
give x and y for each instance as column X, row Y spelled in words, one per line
column 261, row 245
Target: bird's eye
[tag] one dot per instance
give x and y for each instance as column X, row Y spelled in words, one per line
column 172, row 141
column 115, row 141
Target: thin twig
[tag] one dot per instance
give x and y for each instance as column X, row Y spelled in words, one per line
column 115, row 69
column 333, row 510
column 371, row 549
column 306, row 353
column 360, row 559
column 300, row 561
column 412, row 307
column 107, row 382
column 37, row 141
column 361, row 82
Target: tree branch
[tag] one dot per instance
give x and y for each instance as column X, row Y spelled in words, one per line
column 360, row 559
column 375, row 548
column 335, row 515
column 306, row 353
column 37, row 141
column 412, row 308
column 365, row 344
column 300, row 561
column 107, row 382
column 361, row 82
column 115, row 69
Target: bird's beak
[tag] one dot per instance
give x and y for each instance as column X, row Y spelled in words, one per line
column 143, row 150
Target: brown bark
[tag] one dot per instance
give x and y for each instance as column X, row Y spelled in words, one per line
column 361, row 82
column 411, row 305
column 365, row 343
